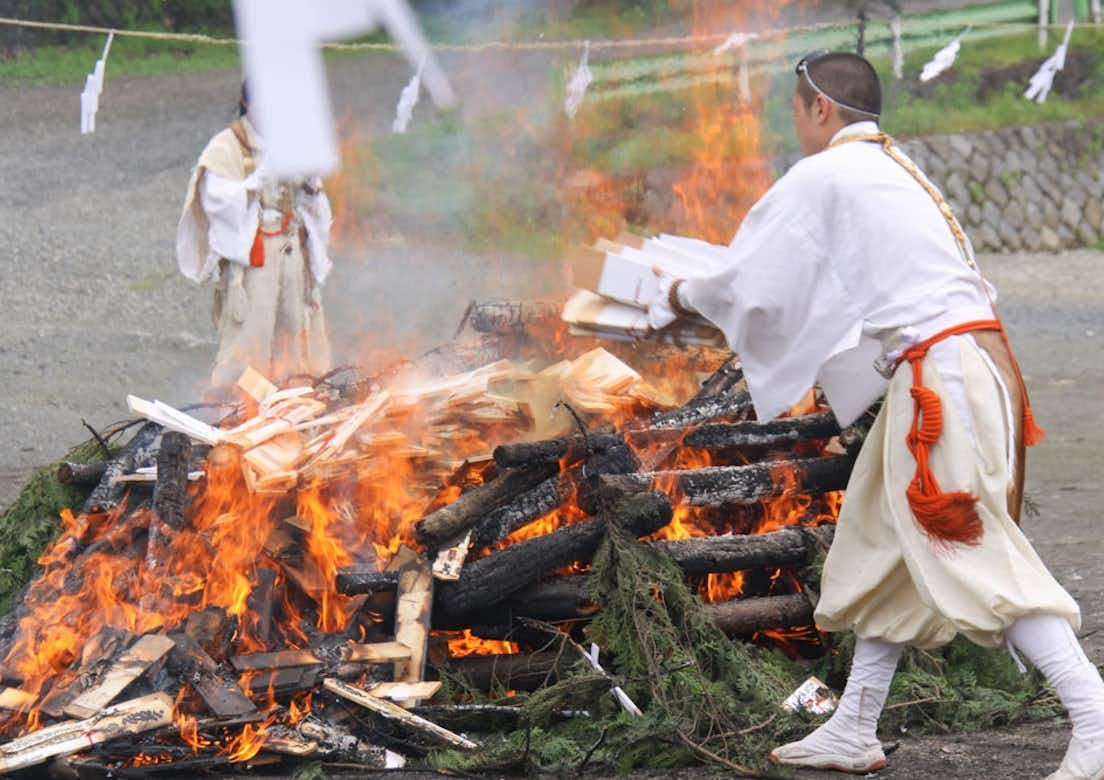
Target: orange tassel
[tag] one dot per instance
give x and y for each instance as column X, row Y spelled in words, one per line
column 946, row 517
column 1033, row 434
column 256, row 252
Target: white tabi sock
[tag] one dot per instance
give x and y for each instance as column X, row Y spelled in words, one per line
column 852, row 730
column 1049, row 643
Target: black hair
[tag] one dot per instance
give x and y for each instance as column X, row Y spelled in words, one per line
column 243, row 100
column 846, row 78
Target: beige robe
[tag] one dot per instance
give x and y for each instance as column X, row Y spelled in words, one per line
column 270, row 317
column 884, row 578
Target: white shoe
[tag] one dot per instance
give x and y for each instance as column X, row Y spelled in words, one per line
column 797, row 754
column 1079, row 763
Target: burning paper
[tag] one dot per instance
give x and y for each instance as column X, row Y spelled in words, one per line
column 1043, row 80
column 407, row 100
column 280, row 40
column 944, row 58
column 576, row 89
column 93, row 88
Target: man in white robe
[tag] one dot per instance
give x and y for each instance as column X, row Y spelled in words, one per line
column 267, row 241
column 854, row 258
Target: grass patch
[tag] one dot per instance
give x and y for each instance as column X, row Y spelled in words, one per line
column 69, row 64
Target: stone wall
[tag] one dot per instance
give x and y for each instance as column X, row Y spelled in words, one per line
column 1034, row 187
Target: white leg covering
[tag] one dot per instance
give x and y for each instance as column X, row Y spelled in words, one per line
column 848, row 741
column 1049, row 643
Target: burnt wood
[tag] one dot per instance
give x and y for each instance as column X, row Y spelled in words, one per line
column 501, row 522
column 724, row 394
column 170, row 491
column 81, row 473
column 746, row 616
column 519, row 672
column 191, row 663
column 452, row 520
column 553, row 450
column 735, row 552
column 352, row 582
column 772, row 433
column 137, row 452
column 721, row 485
column 494, row 578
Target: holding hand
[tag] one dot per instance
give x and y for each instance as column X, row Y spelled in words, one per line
column 665, row 307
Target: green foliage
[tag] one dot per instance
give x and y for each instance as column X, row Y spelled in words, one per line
column 31, row 522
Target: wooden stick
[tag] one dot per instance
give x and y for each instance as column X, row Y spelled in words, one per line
column 130, row 717
column 131, row 665
column 413, row 610
column 16, row 699
column 394, row 712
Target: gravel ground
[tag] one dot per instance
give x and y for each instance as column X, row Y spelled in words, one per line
column 94, row 310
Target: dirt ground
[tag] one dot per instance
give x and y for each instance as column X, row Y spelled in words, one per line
column 94, row 309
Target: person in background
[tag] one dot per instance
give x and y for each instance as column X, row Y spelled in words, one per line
column 266, row 240
column 851, row 271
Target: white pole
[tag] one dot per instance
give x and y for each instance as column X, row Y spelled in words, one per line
column 1044, row 19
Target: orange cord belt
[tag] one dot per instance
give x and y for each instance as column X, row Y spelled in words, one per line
column 256, row 252
column 946, row 517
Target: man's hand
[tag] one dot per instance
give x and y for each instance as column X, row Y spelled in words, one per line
column 661, row 313
column 254, row 182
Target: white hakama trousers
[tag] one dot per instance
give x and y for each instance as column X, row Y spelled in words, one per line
column 884, row 578
column 270, row 317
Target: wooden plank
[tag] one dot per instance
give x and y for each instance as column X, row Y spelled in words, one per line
column 16, row 699
column 377, row 653
column 131, row 665
column 398, row 691
column 130, row 717
column 413, row 605
column 254, row 384
column 192, row 663
column 277, row 660
column 394, row 712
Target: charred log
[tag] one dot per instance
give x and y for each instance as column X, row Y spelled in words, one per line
column 507, row 317
column 746, row 616
column 138, row 451
column 520, row 672
column 451, row 520
column 501, row 522
column 724, row 394
column 498, row 576
column 553, row 450
column 721, row 485
column 88, row 474
column 731, row 553
column 772, row 433
column 170, row 492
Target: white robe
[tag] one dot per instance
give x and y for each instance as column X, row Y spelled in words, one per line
column 829, row 268
column 846, row 257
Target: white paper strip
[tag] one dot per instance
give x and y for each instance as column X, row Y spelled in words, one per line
column 408, row 98
column 944, row 58
column 577, row 87
column 93, row 88
column 1043, row 80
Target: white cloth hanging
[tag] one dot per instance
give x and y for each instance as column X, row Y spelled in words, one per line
column 740, row 40
column 1043, row 80
column 944, row 58
column 93, row 88
column 577, row 87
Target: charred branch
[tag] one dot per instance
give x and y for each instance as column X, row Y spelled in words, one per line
column 519, row 672
column 724, row 394
column 712, row 554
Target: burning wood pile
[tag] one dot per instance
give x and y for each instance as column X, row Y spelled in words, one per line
column 292, row 582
